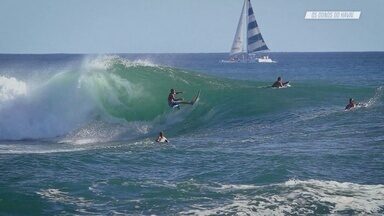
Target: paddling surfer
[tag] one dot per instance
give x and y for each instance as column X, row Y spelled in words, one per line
column 279, row 83
column 351, row 104
column 161, row 138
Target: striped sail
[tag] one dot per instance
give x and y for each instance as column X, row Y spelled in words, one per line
column 237, row 45
column 255, row 41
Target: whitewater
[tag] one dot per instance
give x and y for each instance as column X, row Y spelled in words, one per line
column 77, row 135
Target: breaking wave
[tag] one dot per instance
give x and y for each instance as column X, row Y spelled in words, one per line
column 109, row 98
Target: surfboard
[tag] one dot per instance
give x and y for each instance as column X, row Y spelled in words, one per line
column 191, row 102
column 285, row 85
column 162, row 140
column 362, row 105
column 196, row 98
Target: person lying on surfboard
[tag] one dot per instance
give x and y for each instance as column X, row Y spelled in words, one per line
column 279, row 83
column 351, row 104
column 161, row 138
column 175, row 102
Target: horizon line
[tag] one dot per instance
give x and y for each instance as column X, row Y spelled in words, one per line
column 143, row 53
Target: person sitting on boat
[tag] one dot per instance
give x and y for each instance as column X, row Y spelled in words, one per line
column 351, row 104
column 175, row 102
column 161, row 138
column 279, row 83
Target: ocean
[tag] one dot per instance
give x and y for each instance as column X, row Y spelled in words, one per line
column 77, row 135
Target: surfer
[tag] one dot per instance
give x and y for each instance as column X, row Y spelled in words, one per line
column 351, row 104
column 175, row 102
column 279, row 83
column 161, row 138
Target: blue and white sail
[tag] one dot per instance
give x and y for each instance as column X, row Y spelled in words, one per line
column 255, row 41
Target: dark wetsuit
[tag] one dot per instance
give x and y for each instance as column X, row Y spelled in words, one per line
column 349, row 106
column 171, row 100
column 279, row 84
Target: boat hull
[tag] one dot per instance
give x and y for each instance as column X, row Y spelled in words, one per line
column 249, row 61
column 268, row 60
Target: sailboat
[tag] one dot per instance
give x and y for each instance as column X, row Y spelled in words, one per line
column 254, row 39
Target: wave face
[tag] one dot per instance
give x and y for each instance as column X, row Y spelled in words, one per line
column 102, row 95
column 110, row 98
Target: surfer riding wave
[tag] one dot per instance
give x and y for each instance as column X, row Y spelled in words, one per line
column 175, row 102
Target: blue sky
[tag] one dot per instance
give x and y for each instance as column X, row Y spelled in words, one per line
column 181, row 26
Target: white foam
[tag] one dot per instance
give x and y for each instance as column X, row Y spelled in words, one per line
column 295, row 197
column 99, row 131
column 11, row 88
column 104, row 62
column 344, row 195
column 378, row 94
column 57, row 196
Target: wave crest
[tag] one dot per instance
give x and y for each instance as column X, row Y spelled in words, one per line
column 11, row 88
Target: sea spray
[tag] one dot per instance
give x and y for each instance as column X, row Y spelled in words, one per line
column 11, row 88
